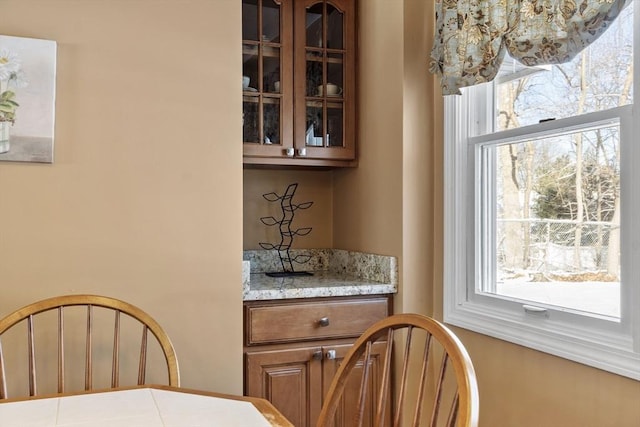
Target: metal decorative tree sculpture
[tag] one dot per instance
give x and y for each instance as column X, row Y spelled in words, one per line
column 286, row 233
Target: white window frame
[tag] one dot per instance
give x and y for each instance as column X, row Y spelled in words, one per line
column 609, row 345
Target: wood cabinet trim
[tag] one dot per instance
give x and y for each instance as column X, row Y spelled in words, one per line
column 287, row 373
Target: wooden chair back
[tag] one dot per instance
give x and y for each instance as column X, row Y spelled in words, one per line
column 97, row 308
column 434, row 382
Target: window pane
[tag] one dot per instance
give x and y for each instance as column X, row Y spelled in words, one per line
column 599, row 78
column 555, row 222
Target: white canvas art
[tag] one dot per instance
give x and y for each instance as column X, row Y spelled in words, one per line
column 27, row 99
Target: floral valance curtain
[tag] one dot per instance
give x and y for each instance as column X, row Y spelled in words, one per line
column 472, row 36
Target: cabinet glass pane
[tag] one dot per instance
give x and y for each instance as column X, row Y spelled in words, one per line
column 271, row 120
column 335, row 28
column 335, row 124
column 270, row 69
column 314, row 26
column 270, row 21
column 315, row 124
column 314, row 78
column 335, row 72
column 249, row 67
column 250, row 20
column 250, row 120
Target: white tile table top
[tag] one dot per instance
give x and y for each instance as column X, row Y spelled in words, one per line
column 141, row 407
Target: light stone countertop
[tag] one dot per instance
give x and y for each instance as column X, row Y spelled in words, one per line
column 335, row 273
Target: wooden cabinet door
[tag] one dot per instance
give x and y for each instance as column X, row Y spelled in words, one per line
column 267, row 70
column 291, row 379
column 347, row 409
column 324, row 68
column 299, row 97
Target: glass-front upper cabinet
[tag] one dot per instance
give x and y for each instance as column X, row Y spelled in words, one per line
column 266, row 77
column 299, row 82
column 324, row 68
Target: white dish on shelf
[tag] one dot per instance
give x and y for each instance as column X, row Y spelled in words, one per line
column 332, row 90
column 335, row 95
column 249, row 89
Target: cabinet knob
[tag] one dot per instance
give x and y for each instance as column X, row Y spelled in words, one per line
column 302, row 152
column 317, row 355
column 290, row 152
column 324, row 321
column 331, row 354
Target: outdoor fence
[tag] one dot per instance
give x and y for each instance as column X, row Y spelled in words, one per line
column 549, row 246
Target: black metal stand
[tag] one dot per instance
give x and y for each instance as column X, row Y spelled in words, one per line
column 286, row 233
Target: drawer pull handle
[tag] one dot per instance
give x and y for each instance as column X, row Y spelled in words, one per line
column 324, row 321
column 331, row 354
column 317, row 355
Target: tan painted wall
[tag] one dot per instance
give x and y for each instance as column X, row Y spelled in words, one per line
column 523, row 387
column 367, row 200
column 144, row 200
column 313, row 186
column 418, row 156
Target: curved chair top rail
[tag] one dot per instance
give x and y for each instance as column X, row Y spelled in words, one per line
column 117, row 305
column 467, row 412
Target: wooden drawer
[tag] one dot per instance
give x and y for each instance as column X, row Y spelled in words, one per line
column 299, row 321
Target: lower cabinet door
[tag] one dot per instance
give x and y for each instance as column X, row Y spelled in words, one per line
column 346, row 413
column 291, row 379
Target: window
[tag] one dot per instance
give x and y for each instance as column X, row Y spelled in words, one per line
column 541, row 238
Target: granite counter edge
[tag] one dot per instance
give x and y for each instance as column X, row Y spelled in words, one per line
column 318, row 292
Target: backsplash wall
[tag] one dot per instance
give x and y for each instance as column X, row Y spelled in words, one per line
column 313, row 186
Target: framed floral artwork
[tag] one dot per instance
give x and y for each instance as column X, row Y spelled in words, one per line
column 27, row 99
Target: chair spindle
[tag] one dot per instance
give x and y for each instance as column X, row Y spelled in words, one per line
column 88, row 371
column 60, row 350
column 453, row 413
column 32, row 357
column 386, row 381
column 143, row 357
column 362, row 399
column 438, row 398
column 115, row 362
column 3, row 377
column 403, row 378
column 423, row 381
